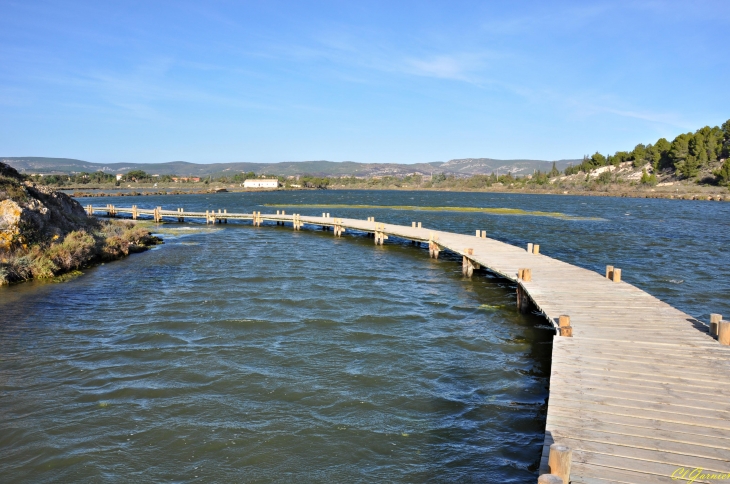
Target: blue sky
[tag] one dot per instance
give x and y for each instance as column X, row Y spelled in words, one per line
column 367, row 81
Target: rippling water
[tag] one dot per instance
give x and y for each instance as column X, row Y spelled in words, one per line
column 236, row 353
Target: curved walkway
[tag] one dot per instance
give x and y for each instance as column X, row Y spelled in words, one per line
column 639, row 390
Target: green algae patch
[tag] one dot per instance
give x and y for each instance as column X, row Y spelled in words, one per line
column 488, row 307
column 67, row 276
column 416, row 208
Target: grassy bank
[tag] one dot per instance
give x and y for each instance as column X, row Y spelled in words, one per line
column 101, row 241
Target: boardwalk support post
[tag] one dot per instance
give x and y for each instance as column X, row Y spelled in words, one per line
column 525, row 275
column 523, row 302
column 484, row 234
column 536, row 249
column 338, row 227
column 379, row 234
column 225, row 211
column 433, row 247
column 564, row 327
column 609, row 272
column 616, row 276
column 529, row 248
column 714, row 321
column 468, row 265
column 723, row 332
column 559, row 461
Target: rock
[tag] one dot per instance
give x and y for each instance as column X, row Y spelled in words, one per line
column 31, row 213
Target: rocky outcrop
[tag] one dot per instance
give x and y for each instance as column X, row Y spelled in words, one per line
column 45, row 233
column 32, row 214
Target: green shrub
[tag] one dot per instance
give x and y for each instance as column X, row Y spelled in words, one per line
column 604, row 177
column 723, row 174
column 647, row 179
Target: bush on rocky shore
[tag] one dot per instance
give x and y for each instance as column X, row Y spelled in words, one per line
column 44, row 233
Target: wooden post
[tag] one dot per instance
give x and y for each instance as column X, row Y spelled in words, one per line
column 225, row 220
column 566, row 331
column 466, row 266
column 723, row 332
column 529, row 248
column 536, row 249
column 413, row 225
column 563, row 320
column 616, row 275
column 525, row 275
column 523, row 302
column 609, row 272
column 549, row 479
column 479, row 232
column 559, row 461
column 714, row 320
column 484, row 234
column 433, row 248
column 328, row 215
column 207, row 218
column 419, row 225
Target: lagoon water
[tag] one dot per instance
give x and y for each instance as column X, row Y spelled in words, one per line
column 235, row 353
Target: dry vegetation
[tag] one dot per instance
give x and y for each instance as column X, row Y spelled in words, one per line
column 44, row 233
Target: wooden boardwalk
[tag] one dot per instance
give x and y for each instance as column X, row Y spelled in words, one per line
column 640, row 389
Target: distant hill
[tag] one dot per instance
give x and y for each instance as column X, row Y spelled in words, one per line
column 464, row 167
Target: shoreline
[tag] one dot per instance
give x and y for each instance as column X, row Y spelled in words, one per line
column 710, row 194
column 63, row 259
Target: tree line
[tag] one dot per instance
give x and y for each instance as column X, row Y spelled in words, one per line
column 686, row 155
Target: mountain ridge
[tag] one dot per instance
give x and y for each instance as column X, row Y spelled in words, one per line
column 457, row 167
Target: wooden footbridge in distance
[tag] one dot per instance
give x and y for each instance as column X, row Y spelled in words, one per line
column 638, row 389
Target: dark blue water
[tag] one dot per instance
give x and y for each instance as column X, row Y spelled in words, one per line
column 235, row 353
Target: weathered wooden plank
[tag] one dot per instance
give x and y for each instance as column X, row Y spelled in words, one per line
column 644, row 443
column 706, row 420
column 669, row 432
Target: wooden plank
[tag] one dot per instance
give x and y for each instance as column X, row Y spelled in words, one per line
column 671, row 433
column 643, row 443
column 706, row 420
column 598, row 472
